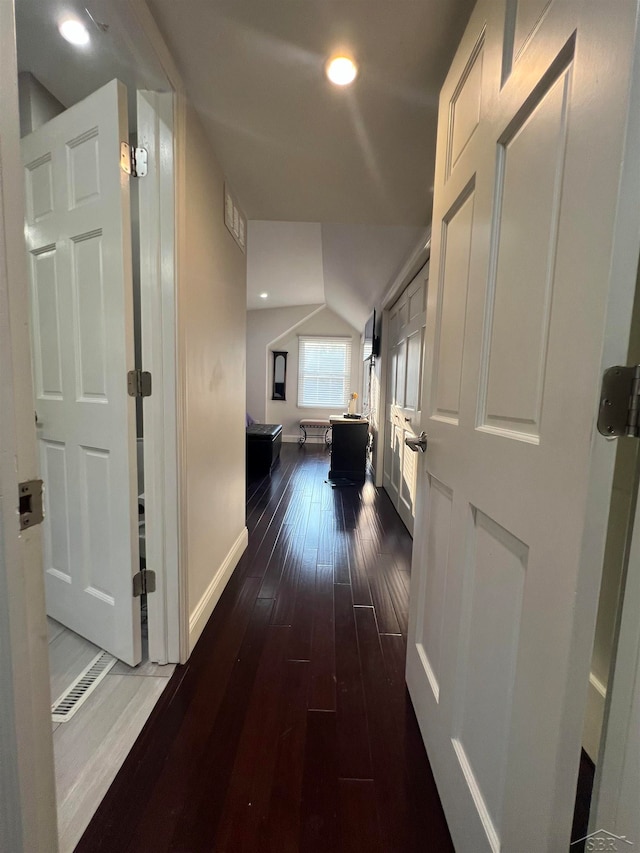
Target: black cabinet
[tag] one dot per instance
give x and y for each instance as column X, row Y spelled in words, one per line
column 348, row 449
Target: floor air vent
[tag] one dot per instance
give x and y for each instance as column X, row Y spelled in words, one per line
column 65, row 707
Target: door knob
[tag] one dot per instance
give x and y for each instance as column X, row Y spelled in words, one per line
column 417, row 442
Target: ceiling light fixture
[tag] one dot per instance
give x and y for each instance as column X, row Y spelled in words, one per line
column 74, row 32
column 263, row 295
column 341, row 70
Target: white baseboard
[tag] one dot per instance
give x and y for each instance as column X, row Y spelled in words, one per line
column 594, row 717
column 207, row 603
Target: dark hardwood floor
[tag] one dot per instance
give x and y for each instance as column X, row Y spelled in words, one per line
column 290, row 728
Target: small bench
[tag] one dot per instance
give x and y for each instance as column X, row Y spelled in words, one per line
column 263, row 448
column 315, row 423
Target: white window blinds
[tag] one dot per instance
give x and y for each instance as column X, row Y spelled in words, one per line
column 324, row 372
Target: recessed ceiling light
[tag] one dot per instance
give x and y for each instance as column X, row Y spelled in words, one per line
column 263, row 295
column 341, row 70
column 74, row 31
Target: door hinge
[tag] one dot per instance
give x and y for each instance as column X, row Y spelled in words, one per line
column 620, row 402
column 133, row 160
column 144, row 582
column 30, row 503
column 139, row 383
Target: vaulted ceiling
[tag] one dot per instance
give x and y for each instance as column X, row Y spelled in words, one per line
column 297, row 148
column 357, row 163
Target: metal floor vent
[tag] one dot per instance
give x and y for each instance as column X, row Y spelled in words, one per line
column 65, row 707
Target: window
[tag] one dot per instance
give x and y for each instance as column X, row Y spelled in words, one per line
column 324, row 372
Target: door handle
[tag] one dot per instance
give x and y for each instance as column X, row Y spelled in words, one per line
column 417, row 442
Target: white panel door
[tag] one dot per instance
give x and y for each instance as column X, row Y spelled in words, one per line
column 533, row 260
column 78, row 235
column 406, row 319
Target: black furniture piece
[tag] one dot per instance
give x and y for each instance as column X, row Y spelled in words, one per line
column 263, row 448
column 349, row 449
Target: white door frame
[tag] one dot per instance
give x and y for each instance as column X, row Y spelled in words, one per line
column 156, row 197
column 416, row 260
column 615, row 792
column 170, row 261
column 27, row 792
column 161, row 205
column 405, row 419
column 27, row 787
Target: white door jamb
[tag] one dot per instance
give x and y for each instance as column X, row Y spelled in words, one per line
column 27, row 787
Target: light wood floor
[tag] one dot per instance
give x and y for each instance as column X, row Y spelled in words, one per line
column 91, row 747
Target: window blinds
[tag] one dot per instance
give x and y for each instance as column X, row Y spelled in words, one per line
column 324, row 372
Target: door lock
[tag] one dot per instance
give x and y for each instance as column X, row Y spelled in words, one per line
column 30, row 510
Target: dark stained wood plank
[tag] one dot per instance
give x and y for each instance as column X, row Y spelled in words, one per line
column 173, row 735
column 359, row 831
column 319, row 808
column 326, row 541
column 302, row 619
column 234, row 725
column 282, row 830
column 276, row 563
column 312, row 534
column 386, row 745
column 399, row 596
column 341, row 573
column 354, row 759
column 582, row 808
column 322, row 691
column 405, row 577
column 199, row 803
column 262, row 543
column 287, row 590
column 426, row 816
column 247, row 803
column 320, row 487
column 357, row 568
column 267, row 496
column 369, row 525
column 378, row 566
column 349, row 504
column 394, row 651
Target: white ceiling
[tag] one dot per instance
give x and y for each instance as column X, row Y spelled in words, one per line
column 284, row 260
column 71, row 73
column 353, row 168
column 296, row 148
column 305, row 263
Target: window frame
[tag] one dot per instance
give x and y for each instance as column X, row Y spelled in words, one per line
column 346, row 376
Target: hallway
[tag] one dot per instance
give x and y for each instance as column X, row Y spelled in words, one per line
column 290, row 728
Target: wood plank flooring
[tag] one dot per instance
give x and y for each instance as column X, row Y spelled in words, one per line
column 290, row 729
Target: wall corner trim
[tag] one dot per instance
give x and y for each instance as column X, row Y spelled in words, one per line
column 207, row 603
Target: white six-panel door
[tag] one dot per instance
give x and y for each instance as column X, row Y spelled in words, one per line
column 533, row 259
column 79, row 254
column 406, row 321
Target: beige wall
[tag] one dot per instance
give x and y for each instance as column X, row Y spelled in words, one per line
column 212, row 312
column 286, row 412
column 37, row 104
column 264, row 326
